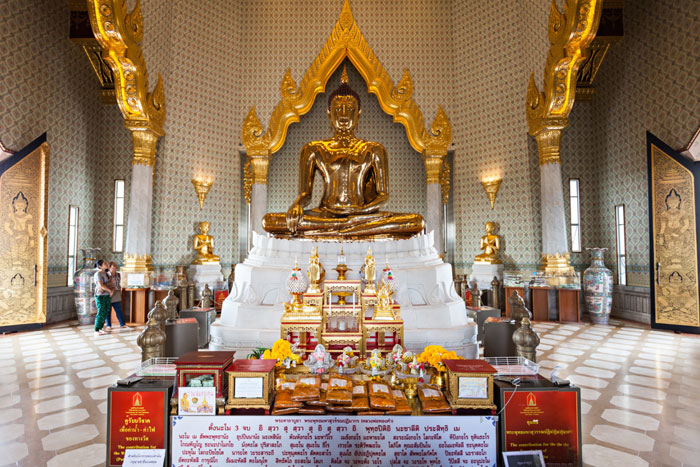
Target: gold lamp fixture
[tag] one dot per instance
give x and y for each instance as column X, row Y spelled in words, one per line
column 491, row 186
column 201, row 187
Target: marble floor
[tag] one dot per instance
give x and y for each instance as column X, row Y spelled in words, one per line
column 637, row 386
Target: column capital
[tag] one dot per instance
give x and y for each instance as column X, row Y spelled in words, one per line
column 549, row 145
column 145, row 142
column 259, row 165
column 433, row 167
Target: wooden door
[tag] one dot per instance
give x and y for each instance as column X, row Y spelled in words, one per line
column 675, row 297
column 24, row 182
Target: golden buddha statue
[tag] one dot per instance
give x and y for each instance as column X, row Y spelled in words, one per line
column 370, row 270
column 315, row 272
column 355, row 183
column 490, row 243
column 384, row 309
column 204, row 246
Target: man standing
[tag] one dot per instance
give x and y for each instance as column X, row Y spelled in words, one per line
column 103, row 294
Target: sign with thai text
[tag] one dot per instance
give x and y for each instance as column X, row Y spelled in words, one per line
column 546, row 420
column 136, row 420
column 334, row 441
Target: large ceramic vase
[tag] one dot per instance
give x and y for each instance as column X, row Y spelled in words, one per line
column 597, row 286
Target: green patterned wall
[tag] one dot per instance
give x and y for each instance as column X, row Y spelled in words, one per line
column 46, row 84
column 473, row 58
column 648, row 81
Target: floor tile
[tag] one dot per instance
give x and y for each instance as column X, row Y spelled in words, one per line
column 92, row 454
column 595, row 372
column 689, row 457
column 10, row 432
column 602, row 364
column 88, row 364
column 59, row 403
column 631, row 419
column 68, row 417
column 645, row 381
column 640, row 391
column 633, row 403
column 44, row 372
column 14, row 452
column 601, row 456
column 9, row 415
column 58, row 440
column 623, row 437
column 94, row 372
column 55, row 391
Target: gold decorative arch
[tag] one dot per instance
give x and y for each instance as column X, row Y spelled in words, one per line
column 346, row 41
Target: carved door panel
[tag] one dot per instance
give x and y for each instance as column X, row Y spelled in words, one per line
column 674, row 238
column 23, row 215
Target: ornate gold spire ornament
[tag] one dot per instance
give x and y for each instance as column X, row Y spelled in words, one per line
column 120, row 34
column 570, row 33
column 491, row 186
column 201, row 188
column 346, row 41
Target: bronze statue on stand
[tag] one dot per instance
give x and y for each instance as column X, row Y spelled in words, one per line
column 355, row 184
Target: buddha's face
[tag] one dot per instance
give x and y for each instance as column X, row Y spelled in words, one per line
column 204, row 227
column 489, row 227
column 344, row 113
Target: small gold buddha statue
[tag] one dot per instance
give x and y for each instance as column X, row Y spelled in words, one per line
column 355, row 183
column 384, row 309
column 370, row 269
column 204, row 246
column 490, row 244
column 315, row 272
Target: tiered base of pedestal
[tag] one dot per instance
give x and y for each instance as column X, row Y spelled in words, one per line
column 483, row 274
column 202, row 274
column 432, row 311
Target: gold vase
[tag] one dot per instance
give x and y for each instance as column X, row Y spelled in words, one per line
column 440, row 378
column 410, row 387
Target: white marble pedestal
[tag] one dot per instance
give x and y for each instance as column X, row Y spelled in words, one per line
column 202, row 274
column 432, row 311
column 483, row 274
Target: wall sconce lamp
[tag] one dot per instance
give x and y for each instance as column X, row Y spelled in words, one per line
column 491, row 186
column 201, row 187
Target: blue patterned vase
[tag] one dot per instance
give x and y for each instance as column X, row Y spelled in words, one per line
column 597, row 288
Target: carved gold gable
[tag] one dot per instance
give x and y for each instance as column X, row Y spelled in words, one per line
column 346, row 41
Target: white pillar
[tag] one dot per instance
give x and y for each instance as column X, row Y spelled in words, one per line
column 258, row 206
column 553, row 212
column 138, row 227
column 434, row 215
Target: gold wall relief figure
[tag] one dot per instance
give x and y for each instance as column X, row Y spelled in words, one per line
column 675, row 241
column 23, row 217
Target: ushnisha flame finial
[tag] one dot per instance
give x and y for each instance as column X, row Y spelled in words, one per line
column 344, row 76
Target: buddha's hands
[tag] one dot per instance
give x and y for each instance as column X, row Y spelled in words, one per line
column 294, row 215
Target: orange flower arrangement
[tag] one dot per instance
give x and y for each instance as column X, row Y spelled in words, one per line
column 282, row 352
column 435, row 354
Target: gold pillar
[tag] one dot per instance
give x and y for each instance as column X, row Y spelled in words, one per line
column 119, row 33
column 570, row 34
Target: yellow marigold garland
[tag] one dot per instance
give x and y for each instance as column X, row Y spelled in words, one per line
column 435, row 354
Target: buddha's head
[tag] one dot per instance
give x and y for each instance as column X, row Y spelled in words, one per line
column 490, row 227
column 204, row 227
column 344, row 106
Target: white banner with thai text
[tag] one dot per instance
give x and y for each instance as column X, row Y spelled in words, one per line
column 333, row 440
